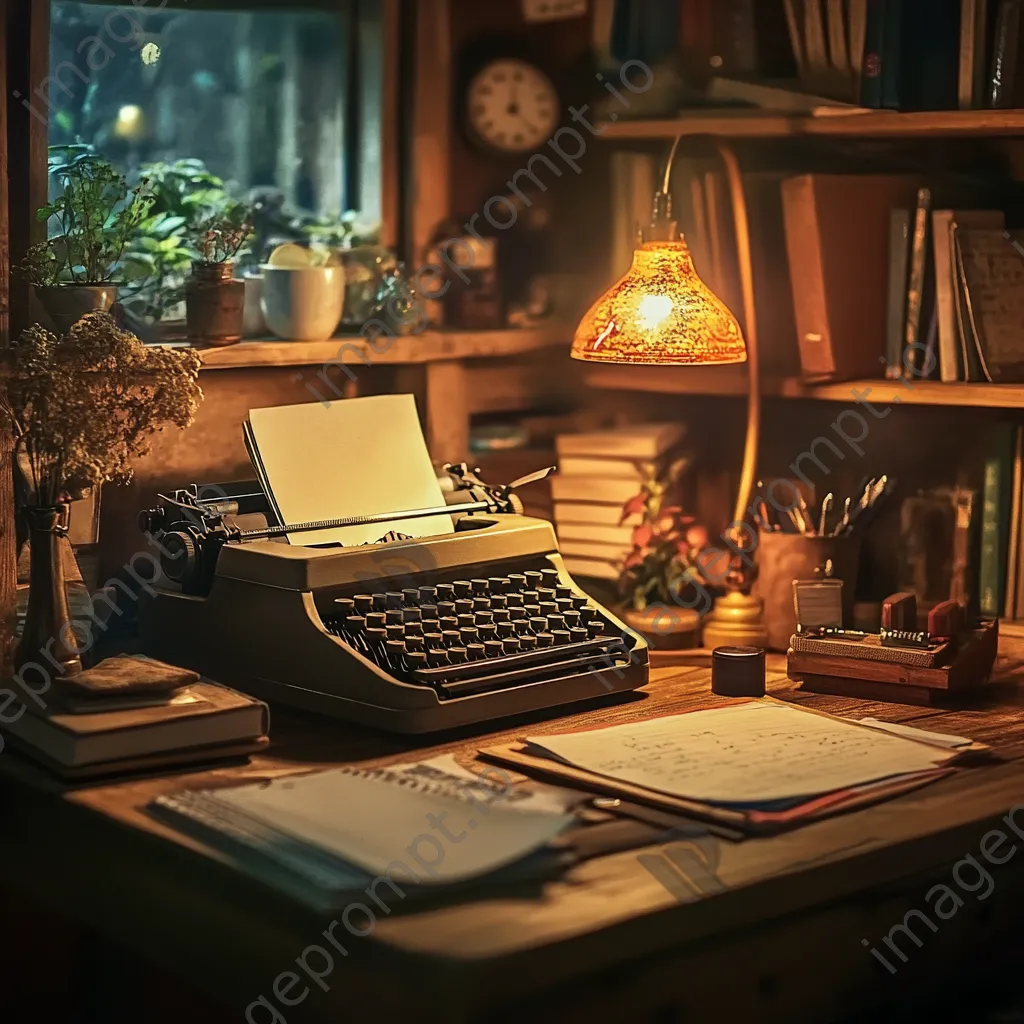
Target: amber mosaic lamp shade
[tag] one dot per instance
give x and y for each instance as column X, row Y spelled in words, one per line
column 660, row 312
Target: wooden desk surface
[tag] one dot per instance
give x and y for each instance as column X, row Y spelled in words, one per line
column 779, row 938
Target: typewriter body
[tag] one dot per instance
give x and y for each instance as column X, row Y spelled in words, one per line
column 410, row 635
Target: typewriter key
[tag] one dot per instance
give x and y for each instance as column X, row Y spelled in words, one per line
column 394, row 598
column 354, row 623
column 445, row 592
column 411, row 614
column 450, row 637
column 562, row 637
column 463, row 606
column 411, row 595
column 510, row 645
column 521, row 626
column 531, row 597
column 548, row 608
column 515, row 600
column 457, row 655
column 518, row 580
column 556, row 622
column 395, row 632
column 463, row 588
column 432, row 641
column 561, row 590
column 377, row 637
column 445, row 608
column 545, row 640
column 528, row 642
column 497, row 585
column 393, row 617
column 530, row 610
column 546, row 594
column 572, row 617
column 577, row 634
column 488, row 631
column 364, row 603
column 414, row 643
column 501, row 615
column 475, row 652
column 533, row 577
column 482, row 618
column 414, row 629
column 499, row 601
column 479, row 586
column 550, row 577
column 415, row 660
column 469, row 635
column 437, row 658
column 481, row 604
column 395, row 651
column 505, row 629
column 429, row 612
column 564, row 605
column 428, row 595
column 595, row 627
column 579, row 602
column 493, row 649
column 465, row 620
column 449, row 622
column 380, row 602
column 344, row 606
column 376, row 620
column 538, row 623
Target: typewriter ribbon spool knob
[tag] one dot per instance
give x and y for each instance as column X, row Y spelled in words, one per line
column 738, row 672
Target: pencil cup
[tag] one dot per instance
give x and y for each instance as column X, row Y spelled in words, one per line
column 785, row 557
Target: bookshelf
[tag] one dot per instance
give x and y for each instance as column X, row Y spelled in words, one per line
column 756, row 124
column 731, row 381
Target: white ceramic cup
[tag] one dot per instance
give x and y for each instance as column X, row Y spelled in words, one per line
column 303, row 303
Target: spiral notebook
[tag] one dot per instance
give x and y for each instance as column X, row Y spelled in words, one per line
column 326, row 835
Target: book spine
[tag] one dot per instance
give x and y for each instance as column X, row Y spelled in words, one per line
column 892, row 45
column 899, row 253
column 871, row 65
column 992, row 564
column 1013, row 583
column 1004, row 55
column 803, row 247
column 913, row 355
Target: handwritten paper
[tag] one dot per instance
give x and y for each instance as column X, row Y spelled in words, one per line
column 749, row 754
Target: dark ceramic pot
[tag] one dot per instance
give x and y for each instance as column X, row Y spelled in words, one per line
column 214, row 305
column 66, row 304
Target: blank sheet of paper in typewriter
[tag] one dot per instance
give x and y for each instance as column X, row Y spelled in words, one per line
column 332, row 460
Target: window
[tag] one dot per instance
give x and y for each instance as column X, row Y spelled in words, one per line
column 274, row 102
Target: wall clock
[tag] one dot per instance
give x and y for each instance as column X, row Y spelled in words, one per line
column 511, row 106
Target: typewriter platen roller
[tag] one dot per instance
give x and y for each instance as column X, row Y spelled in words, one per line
column 409, row 635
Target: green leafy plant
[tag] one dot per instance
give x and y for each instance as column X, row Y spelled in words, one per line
column 665, row 556
column 162, row 249
column 222, row 238
column 90, row 221
column 83, row 406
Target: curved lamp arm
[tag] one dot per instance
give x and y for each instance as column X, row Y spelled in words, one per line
column 741, row 222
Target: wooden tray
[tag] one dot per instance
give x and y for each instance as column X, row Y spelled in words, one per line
column 869, row 679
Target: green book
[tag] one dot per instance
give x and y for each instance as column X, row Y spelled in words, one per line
column 995, row 524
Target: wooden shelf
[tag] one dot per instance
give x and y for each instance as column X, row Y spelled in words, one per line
column 426, row 347
column 731, row 381
column 875, row 124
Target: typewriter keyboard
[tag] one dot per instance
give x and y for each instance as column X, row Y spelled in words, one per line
column 473, row 635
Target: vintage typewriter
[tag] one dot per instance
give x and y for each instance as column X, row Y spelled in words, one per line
column 409, row 635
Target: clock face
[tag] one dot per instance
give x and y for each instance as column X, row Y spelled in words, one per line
column 512, row 106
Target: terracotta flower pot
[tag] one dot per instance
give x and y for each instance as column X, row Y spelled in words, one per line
column 665, row 627
column 214, row 305
column 66, row 304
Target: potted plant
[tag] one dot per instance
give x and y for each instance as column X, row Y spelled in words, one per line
column 90, row 221
column 664, row 563
column 81, row 407
column 214, row 299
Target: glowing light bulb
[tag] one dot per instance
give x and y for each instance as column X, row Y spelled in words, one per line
column 653, row 311
column 129, row 121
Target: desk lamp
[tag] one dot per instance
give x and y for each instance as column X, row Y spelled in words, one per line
column 660, row 312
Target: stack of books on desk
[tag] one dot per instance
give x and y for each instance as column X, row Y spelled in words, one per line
column 598, row 472
column 130, row 715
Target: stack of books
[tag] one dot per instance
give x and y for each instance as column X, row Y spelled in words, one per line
column 130, row 714
column 598, row 472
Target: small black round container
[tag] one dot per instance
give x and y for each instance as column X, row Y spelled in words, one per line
column 738, row 671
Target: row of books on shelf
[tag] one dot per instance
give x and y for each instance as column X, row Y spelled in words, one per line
column 1001, row 568
column 956, row 295
column 855, row 275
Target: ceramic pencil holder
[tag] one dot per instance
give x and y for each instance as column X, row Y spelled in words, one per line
column 785, row 557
